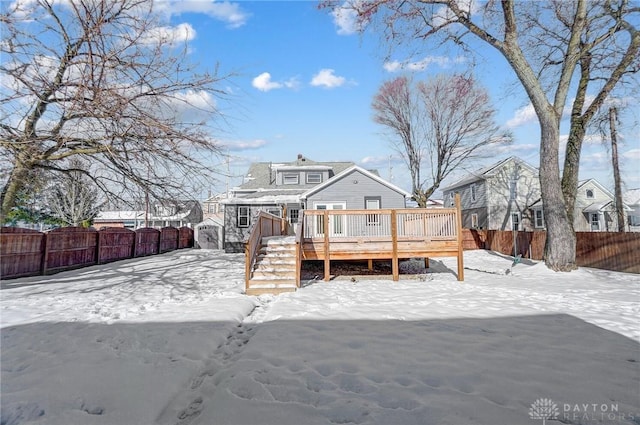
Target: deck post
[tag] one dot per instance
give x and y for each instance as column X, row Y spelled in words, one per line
column 394, row 243
column 370, row 264
column 459, row 230
column 327, row 263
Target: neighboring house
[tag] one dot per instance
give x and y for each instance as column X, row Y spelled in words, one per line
column 176, row 214
column 632, row 199
column 285, row 189
column 497, row 197
column 127, row 219
column 595, row 209
column 213, row 206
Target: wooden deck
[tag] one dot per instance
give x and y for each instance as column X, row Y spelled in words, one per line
column 384, row 234
column 391, row 234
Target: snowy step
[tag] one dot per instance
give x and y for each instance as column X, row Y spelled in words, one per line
column 268, row 266
column 274, row 275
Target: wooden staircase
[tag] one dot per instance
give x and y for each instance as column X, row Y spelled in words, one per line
column 274, row 270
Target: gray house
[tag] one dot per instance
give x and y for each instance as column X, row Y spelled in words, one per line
column 497, row 197
column 284, row 189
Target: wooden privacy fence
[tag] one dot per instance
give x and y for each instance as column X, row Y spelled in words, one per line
column 25, row 252
column 603, row 250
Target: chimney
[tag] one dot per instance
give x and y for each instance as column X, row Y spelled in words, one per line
column 300, row 157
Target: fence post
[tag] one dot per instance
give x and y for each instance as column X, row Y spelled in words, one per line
column 98, row 242
column 43, row 251
column 459, row 231
column 394, row 243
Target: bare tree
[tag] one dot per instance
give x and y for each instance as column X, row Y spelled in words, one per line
column 438, row 125
column 103, row 81
column 72, row 197
column 545, row 44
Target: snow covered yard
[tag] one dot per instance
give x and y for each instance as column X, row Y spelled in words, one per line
column 171, row 339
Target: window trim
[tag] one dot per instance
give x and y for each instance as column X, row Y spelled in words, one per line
column 513, row 189
column 373, row 219
column 319, row 175
column 290, row 176
column 538, row 224
column 293, row 218
column 474, row 217
column 240, row 216
column 593, row 193
column 516, row 214
column 474, row 192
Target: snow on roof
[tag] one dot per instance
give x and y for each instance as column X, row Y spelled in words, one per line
column 119, row 215
column 631, row 197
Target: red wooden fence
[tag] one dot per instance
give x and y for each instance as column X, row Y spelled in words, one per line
column 147, row 242
column 68, row 248
column 115, row 243
column 603, row 250
column 21, row 252
column 168, row 239
column 25, row 252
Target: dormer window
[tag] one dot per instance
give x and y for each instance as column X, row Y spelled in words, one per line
column 291, row 179
column 314, row 178
column 590, row 194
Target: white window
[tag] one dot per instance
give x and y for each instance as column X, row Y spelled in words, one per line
column 539, row 218
column 314, row 178
column 513, row 189
column 474, row 192
column 243, row 217
column 474, row 221
column 590, row 194
column 291, row 179
column 595, row 222
column 372, row 203
column 515, row 221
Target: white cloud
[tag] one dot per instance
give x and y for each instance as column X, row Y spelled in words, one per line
column 525, row 115
column 263, row 82
column 224, row 11
column 423, row 64
column 327, row 78
column 241, row 145
column 169, row 35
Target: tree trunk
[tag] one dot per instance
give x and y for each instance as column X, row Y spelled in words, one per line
column 10, row 189
column 616, row 169
column 560, row 247
column 572, row 167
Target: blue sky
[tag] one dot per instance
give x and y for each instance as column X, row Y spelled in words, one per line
column 304, row 84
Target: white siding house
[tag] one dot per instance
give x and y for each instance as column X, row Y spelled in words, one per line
column 497, row 197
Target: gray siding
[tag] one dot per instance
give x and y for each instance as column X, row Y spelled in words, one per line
column 353, row 188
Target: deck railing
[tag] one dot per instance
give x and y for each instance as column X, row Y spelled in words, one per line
column 410, row 224
column 265, row 225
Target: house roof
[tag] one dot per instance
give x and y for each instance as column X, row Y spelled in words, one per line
column 486, row 172
column 632, row 197
column 595, row 182
column 261, row 174
column 347, row 172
